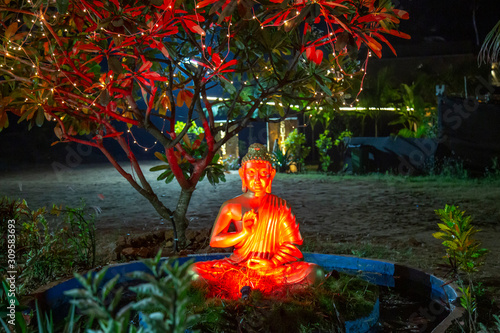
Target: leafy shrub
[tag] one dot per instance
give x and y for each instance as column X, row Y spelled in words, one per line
column 231, row 163
column 324, row 144
column 295, row 145
column 464, row 253
column 214, row 171
column 194, row 129
column 163, row 299
column 341, row 143
column 44, row 253
column 281, row 161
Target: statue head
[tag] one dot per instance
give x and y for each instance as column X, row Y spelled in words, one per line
column 257, row 172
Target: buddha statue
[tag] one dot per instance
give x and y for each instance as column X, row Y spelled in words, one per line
column 264, row 232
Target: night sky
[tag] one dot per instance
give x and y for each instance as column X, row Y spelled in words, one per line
column 447, row 20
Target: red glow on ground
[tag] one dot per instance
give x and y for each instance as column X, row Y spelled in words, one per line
column 228, row 283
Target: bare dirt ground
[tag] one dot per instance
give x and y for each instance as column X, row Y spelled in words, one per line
column 374, row 216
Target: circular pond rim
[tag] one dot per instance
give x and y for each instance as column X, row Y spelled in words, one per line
column 380, row 272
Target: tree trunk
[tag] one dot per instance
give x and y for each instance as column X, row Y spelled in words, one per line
column 180, row 221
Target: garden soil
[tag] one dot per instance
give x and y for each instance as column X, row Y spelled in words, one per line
column 383, row 217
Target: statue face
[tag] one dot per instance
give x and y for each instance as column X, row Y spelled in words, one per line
column 257, row 176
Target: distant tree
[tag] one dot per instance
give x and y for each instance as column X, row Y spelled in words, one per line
column 379, row 93
column 100, row 69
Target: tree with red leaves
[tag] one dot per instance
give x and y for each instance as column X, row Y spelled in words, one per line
column 95, row 66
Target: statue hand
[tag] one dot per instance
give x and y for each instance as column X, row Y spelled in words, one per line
column 248, row 221
column 259, row 263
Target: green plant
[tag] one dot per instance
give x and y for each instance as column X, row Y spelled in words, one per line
column 420, row 132
column 494, row 171
column 450, row 168
column 464, row 254
column 214, row 171
column 324, row 144
column 43, row 255
column 496, row 320
column 162, row 300
column 295, row 145
column 45, row 252
column 10, row 309
column 165, row 299
column 230, row 163
column 342, row 142
column 79, row 229
column 281, row 161
column 194, row 129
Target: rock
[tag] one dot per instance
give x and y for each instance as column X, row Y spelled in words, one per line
column 167, row 252
column 201, row 239
column 184, row 253
column 128, row 252
column 143, row 252
column 191, row 234
column 415, row 243
column 134, row 253
column 122, row 241
column 169, row 235
column 159, row 235
column 169, row 244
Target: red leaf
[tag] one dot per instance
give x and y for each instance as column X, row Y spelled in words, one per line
column 383, row 39
column 309, row 52
column 116, row 3
column 194, row 27
column 11, row 30
column 164, row 50
column 396, row 33
column 229, row 63
column 196, row 144
column 112, row 135
column 270, row 19
column 145, row 66
column 216, row 59
column 376, row 18
column 205, row 3
column 318, row 57
column 87, row 47
column 79, row 22
column 155, row 76
column 134, row 10
column 96, row 59
column 402, row 14
column 374, row 46
column 334, row 4
column 180, row 98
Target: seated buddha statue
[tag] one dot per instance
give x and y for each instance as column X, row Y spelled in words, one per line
column 264, row 232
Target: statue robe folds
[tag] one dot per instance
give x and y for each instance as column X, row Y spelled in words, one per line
column 274, row 237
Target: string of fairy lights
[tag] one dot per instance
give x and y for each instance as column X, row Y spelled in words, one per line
column 44, row 21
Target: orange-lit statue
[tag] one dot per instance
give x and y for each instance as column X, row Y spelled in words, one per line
column 265, row 236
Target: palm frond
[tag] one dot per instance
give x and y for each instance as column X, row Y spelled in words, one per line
column 490, row 50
